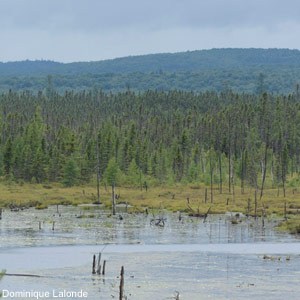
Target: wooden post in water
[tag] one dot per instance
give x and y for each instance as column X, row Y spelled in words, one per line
column 99, row 264
column 113, row 198
column 103, row 268
column 0, row 213
column 94, row 264
column 57, row 209
column 40, row 225
column 53, row 224
column 121, row 284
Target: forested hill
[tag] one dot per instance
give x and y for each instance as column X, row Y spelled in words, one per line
column 172, row 62
column 202, row 70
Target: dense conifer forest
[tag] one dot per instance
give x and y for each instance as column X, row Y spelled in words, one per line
column 150, row 138
column 215, row 70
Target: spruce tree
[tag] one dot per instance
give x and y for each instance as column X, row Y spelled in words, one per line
column 71, row 172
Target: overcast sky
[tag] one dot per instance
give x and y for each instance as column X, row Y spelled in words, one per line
column 85, row 30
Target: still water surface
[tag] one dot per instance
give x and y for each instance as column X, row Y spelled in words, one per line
column 211, row 260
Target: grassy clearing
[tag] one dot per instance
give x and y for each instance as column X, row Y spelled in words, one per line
column 171, row 198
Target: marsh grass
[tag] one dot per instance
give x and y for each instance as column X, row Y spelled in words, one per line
column 173, row 198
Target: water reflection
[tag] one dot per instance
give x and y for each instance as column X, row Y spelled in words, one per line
column 212, row 260
column 94, row 227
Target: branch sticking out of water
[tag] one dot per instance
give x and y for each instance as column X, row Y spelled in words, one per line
column 25, row 275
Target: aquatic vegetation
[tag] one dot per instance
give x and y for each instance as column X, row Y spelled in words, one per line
column 85, row 216
column 33, row 195
column 41, row 206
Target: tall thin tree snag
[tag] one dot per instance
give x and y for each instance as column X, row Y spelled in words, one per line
column 266, row 131
column 98, row 169
column 264, row 172
column 113, row 198
column 220, row 171
column 212, row 158
column 232, row 181
column 255, row 204
column 229, row 154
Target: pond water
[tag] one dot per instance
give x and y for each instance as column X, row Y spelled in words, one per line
column 214, row 259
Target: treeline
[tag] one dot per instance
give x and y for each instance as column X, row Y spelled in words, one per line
column 199, row 60
column 150, row 138
column 279, row 79
column 199, row 71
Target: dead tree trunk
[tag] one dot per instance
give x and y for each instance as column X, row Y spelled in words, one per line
column 265, row 165
column 232, row 181
column 242, row 171
column 255, row 203
column 113, row 199
column 211, row 187
column 285, row 218
column 220, row 172
column 99, row 264
column 98, row 173
column 248, row 214
column 263, row 216
column 103, row 268
column 121, row 284
column 141, row 185
column 94, row 265
column 229, row 155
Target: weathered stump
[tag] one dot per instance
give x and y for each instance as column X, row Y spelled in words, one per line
column 121, row 284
